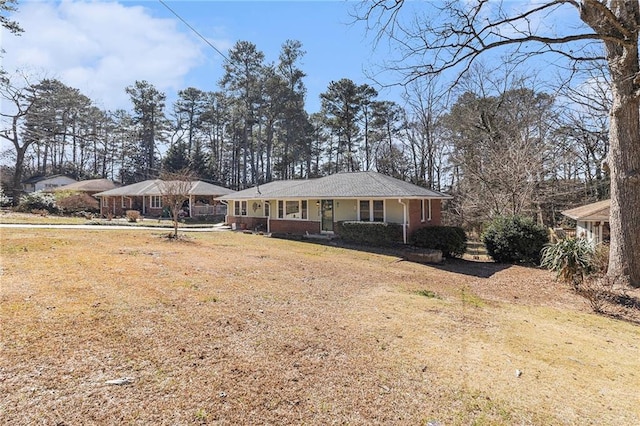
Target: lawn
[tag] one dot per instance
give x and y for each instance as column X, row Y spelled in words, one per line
column 228, row 328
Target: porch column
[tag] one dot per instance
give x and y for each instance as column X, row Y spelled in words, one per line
column 404, row 220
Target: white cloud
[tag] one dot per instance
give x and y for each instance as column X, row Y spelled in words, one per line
column 100, row 48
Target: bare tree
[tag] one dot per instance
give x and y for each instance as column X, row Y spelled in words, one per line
column 452, row 35
column 21, row 99
column 175, row 188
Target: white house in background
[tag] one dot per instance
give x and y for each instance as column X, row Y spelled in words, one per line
column 592, row 221
column 46, row 183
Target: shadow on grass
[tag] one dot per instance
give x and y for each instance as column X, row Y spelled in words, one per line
column 471, row 268
column 459, row 266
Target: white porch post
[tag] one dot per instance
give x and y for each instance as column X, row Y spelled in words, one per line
column 190, row 203
column 404, row 220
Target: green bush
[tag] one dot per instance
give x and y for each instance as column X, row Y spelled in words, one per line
column 370, row 233
column 514, row 239
column 450, row 240
column 38, row 201
column 571, row 259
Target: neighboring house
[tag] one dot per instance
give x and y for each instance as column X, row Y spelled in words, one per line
column 147, row 198
column 78, row 195
column 592, row 221
column 314, row 206
column 45, row 183
column 90, row 186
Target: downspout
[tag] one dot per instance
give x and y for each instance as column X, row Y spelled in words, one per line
column 404, row 220
column 226, row 216
column 268, row 217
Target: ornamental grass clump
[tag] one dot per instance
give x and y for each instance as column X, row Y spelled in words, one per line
column 570, row 259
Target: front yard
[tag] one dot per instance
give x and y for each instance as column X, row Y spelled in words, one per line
column 229, row 328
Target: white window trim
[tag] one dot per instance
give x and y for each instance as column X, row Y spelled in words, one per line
column 371, row 214
column 155, row 202
column 284, row 210
column 425, row 209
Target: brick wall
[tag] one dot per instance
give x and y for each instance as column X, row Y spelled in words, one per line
column 248, row 222
column 415, row 216
column 299, row 227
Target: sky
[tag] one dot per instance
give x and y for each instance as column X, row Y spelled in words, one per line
column 101, row 47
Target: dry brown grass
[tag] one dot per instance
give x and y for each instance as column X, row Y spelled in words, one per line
column 227, row 328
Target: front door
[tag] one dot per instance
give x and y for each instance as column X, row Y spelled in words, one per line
column 327, row 215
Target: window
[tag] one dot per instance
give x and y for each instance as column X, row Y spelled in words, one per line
column 425, row 210
column 267, row 209
column 124, row 202
column 293, row 209
column 239, row 208
column 378, row 210
column 365, row 211
column 156, row 202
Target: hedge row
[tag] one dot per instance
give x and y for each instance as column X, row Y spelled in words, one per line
column 370, row 233
column 450, row 240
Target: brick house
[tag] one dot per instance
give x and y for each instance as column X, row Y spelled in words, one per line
column 315, row 206
column 147, row 198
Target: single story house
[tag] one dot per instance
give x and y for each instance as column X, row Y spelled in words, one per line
column 45, row 183
column 592, row 221
column 147, row 198
column 89, row 186
column 80, row 194
column 314, row 206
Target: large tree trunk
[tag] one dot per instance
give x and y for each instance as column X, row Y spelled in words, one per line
column 624, row 152
column 624, row 164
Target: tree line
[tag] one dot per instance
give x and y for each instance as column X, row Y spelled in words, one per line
column 497, row 144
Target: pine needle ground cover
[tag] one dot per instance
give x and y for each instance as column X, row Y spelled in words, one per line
column 228, row 328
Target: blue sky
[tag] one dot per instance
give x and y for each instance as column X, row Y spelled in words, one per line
column 101, row 47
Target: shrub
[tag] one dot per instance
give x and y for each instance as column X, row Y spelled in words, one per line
column 4, row 199
column 38, row 201
column 570, row 259
column 370, row 233
column 450, row 240
column 132, row 215
column 514, row 239
column 75, row 202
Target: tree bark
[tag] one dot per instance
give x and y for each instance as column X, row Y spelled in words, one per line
column 619, row 28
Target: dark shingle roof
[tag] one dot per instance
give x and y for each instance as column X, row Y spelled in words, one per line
column 153, row 187
column 340, row 185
